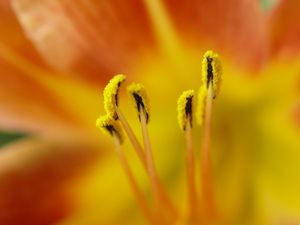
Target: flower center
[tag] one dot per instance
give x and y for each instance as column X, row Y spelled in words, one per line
column 163, row 210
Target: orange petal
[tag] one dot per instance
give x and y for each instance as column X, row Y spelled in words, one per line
column 233, row 26
column 105, row 37
column 26, row 105
column 285, row 28
column 37, row 181
column 95, row 38
column 12, row 35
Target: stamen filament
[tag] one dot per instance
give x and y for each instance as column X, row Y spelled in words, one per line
column 207, row 182
column 147, row 160
column 134, row 186
column 132, row 137
column 149, row 157
column 190, row 164
column 160, row 197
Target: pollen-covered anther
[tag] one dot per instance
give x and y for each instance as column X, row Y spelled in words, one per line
column 110, row 127
column 139, row 96
column 185, row 108
column 212, row 71
column 111, row 98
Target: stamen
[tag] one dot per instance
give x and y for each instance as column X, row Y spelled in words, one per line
column 110, row 127
column 111, row 103
column 136, row 190
column 184, row 109
column 211, row 79
column 211, row 71
column 185, row 113
column 206, row 167
column 132, row 137
column 140, row 97
column 165, row 212
column 111, row 98
column 143, row 109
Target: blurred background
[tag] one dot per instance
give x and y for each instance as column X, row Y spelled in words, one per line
column 56, row 56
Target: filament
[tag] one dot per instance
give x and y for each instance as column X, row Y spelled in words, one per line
column 207, row 182
column 134, row 186
column 190, row 165
column 132, row 137
column 160, row 196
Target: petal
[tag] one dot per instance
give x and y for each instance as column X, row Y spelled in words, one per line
column 100, row 38
column 296, row 114
column 13, row 36
column 27, row 106
column 234, row 26
column 38, row 101
column 285, row 28
column 24, row 104
column 37, row 180
column 90, row 37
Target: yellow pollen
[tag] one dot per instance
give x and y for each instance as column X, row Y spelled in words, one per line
column 185, row 108
column 110, row 127
column 212, row 71
column 110, row 94
column 140, row 98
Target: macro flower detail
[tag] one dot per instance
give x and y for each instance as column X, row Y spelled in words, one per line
column 111, row 99
column 111, row 127
column 211, row 79
column 212, row 71
column 185, row 108
column 140, row 98
column 165, row 212
column 237, row 164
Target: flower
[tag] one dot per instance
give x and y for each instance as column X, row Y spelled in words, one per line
column 66, row 173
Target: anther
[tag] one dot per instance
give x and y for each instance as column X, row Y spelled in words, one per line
column 111, row 98
column 110, row 127
column 185, row 108
column 211, row 71
column 140, row 97
column 211, row 75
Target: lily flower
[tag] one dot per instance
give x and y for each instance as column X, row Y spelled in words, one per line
column 56, row 57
